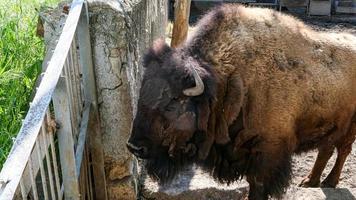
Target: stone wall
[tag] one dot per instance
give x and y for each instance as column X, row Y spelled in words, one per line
column 121, row 31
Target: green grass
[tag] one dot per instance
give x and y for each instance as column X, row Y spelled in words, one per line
column 21, row 55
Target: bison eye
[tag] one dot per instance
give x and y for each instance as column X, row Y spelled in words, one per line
column 171, row 105
column 169, row 108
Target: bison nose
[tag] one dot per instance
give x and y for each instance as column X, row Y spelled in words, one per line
column 140, row 152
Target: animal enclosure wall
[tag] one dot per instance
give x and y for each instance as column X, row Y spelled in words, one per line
column 121, row 31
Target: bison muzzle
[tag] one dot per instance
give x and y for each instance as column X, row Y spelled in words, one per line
column 249, row 88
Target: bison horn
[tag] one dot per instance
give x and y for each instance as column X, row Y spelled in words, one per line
column 199, row 86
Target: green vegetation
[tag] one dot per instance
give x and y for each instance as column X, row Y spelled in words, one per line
column 21, row 54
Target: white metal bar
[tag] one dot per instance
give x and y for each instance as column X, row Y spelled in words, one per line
column 81, row 161
column 62, row 192
column 25, row 177
column 94, row 136
column 49, row 166
column 54, row 157
column 90, row 174
column 74, row 88
column 77, row 80
column 82, row 139
column 21, row 150
column 86, row 61
column 68, row 85
column 79, row 73
column 42, row 171
column 73, row 91
column 22, row 188
column 61, row 103
column 33, row 181
column 79, row 76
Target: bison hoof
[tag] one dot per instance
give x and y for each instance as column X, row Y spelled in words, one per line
column 307, row 182
column 328, row 184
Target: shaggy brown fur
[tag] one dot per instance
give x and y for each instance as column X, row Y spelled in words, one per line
column 273, row 87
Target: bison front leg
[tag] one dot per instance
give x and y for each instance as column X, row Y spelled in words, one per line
column 269, row 171
column 257, row 191
column 266, row 161
column 271, row 181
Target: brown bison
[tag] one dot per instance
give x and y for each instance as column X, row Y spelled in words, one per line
column 249, row 88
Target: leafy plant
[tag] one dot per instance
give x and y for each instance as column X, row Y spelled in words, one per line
column 21, row 55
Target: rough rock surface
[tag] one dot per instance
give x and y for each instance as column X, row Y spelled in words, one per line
column 121, row 31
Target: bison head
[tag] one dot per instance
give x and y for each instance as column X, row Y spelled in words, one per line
column 173, row 108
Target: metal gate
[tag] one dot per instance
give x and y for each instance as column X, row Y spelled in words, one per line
column 57, row 153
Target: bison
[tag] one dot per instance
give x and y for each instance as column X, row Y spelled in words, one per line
column 248, row 89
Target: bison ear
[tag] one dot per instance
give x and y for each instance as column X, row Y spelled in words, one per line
column 157, row 52
column 160, row 47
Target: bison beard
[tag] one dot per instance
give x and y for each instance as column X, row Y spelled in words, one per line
column 272, row 87
column 163, row 168
column 225, row 163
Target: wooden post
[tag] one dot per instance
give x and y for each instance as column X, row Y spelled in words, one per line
column 181, row 22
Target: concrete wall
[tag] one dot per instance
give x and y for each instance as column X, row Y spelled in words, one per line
column 121, row 31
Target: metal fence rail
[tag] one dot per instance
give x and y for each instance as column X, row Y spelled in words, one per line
column 52, row 155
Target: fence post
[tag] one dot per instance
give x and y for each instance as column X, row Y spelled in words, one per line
column 65, row 139
column 94, row 132
column 181, row 22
